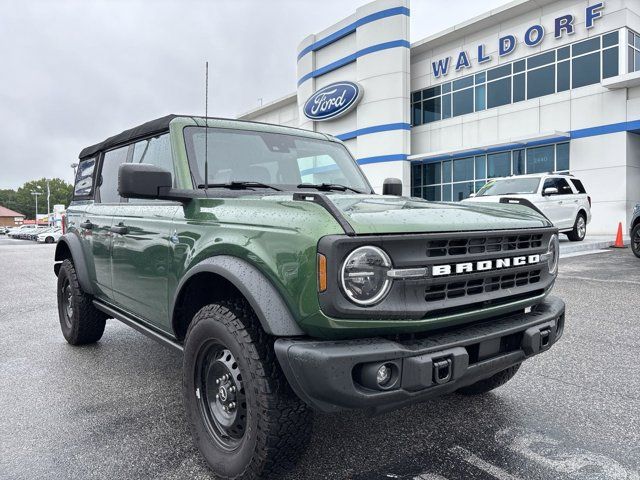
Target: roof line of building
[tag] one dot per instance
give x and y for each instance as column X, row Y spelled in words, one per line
column 268, row 107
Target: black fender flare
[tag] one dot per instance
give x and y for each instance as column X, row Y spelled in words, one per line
column 265, row 300
column 72, row 243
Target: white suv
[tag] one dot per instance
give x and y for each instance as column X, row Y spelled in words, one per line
column 561, row 198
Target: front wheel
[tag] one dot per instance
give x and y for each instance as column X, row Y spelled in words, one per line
column 245, row 419
column 579, row 229
column 635, row 240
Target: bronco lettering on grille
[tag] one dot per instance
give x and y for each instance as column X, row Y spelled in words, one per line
column 484, row 265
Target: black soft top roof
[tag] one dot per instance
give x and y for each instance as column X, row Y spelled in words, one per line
column 158, row 125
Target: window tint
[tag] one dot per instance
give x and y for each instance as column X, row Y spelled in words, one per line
column 84, row 178
column 499, row 165
column 432, row 173
column 541, row 82
column 463, row 102
column 610, row 62
column 560, row 183
column 154, row 151
column 463, row 169
column 109, row 174
column 586, row 70
column 564, row 72
column 579, row 186
column 431, row 110
column 499, row 93
column 462, row 191
column 562, row 157
column 540, row 159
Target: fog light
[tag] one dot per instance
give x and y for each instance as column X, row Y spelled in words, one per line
column 384, row 375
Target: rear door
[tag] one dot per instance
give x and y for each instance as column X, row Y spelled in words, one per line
column 99, row 218
column 142, row 238
column 550, row 204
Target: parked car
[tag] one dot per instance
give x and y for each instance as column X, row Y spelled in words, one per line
column 561, row 198
column 288, row 285
column 634, row 231
column 18, row 232
column 51, row 236
column 4, row 230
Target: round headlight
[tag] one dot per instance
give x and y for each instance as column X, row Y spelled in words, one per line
column 364, row 275
column 553, row 254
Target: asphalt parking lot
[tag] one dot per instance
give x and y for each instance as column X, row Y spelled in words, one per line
column 114, row 410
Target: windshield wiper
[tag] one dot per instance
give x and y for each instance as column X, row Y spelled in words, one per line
column 328, row 187
column 239, row 185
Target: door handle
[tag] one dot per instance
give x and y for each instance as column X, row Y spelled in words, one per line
column 87, row 225
column 119, row 229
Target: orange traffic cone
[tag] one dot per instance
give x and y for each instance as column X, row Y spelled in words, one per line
column 619, row 242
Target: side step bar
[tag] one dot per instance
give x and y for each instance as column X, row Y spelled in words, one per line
column 137, row 325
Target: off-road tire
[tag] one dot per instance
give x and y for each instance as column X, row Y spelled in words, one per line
column 86, row 323
column 574, row 235
column 278, row 423
column 488, row 384
column 635, row 240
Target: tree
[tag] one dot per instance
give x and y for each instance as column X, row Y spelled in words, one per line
column 23, row 201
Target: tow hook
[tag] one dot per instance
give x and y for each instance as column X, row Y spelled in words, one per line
column 442, row 371
column 545, row 337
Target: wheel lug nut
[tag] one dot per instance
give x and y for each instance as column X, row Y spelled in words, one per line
column 232, row 405
column 217, row 381
column 217, row 396
column 232, row 389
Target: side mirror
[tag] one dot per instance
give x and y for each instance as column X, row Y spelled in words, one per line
column 141, row 180
column 392, row 186
column 550, row 191
column 471, row 195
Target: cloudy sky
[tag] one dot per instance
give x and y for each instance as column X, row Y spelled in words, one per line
column 74, row 72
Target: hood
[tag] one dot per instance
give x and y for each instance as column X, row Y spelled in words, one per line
column 496, row 198
column 387, row 214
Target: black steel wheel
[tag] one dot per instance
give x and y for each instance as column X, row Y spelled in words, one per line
column 245, row 419
column 635, row 240
column 221, row 396
column 80, row 321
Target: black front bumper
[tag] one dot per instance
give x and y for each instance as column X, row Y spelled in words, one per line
column 331, row 375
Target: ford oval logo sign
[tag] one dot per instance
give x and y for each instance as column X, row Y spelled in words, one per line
column 333, row 101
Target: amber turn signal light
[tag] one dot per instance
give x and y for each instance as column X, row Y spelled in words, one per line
column 322, row 273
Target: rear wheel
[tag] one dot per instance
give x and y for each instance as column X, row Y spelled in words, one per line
column 488, row 384
column 635, row 240
column 80, row 321
column 245, row 419
column 48, row 240
column 579, row 229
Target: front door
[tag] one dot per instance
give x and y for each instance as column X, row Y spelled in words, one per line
column 140, row 259
column 142, row 238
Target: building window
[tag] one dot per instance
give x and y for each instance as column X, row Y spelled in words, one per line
column 634, row 51
column 456, row 179
column 573, row 66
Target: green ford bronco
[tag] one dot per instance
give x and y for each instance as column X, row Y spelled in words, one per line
column 263, row 254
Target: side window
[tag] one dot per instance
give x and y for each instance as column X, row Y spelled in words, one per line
column 84, row 178
column 560, row 183
column 155, row 151
column 579, row 186
column 563, row 187
column 109, row 174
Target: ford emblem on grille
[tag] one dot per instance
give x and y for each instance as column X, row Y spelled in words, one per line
column 333, row 101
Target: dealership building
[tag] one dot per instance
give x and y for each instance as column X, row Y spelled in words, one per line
column 533, row 86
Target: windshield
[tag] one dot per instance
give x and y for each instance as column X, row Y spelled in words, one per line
column 285, row 161
column 508, row 186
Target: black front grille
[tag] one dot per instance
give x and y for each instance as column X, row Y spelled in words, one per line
column 457, row 288
column 479, row 245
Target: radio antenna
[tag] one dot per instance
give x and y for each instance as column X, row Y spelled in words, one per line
column 206, row 125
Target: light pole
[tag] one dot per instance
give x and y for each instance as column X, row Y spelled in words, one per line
column 35, row 194
column 48, row 204
column 74, row 166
